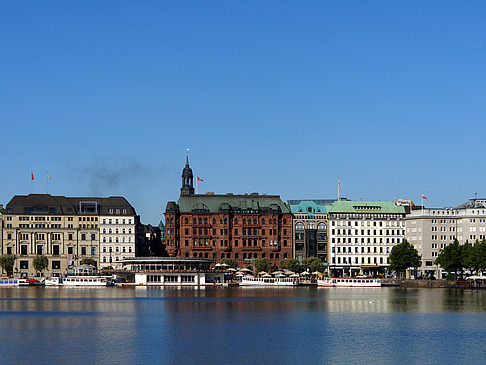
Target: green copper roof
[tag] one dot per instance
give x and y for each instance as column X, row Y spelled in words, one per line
column 251, row 203
column 365, row 207
column 308, row 207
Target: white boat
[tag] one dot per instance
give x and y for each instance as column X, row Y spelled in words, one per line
column 255, row 281
column 12, row 282
column 348, row 282
column 77, row 281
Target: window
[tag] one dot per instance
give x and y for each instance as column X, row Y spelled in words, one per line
column 299, row 225
column 83, row 236
column 24, row 265
column 23, row 249
column 40, row 249
column 93, row 237
column 55, row 250
column 83, row 250
column 93, row 250
column 56, row 265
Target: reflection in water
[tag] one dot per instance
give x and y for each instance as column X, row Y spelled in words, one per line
column 241, row 325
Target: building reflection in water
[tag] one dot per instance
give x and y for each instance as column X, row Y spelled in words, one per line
column 237, row 325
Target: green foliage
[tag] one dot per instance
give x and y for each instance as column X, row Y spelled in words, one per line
column 263, row 264
column 40, row 263
column 88, row 261
column 313, row 264
column 7, row 262
column 290, row 264
column 230, row 262
column 403, row 256
column 450, row 258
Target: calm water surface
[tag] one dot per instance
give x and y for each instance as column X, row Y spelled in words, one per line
column 242, row 326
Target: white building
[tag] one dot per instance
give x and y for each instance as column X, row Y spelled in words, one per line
column 362, row 234
column 117, row 232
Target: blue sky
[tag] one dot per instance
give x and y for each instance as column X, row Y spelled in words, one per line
column 278, row 97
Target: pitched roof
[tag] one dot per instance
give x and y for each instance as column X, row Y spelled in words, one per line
column 357, row 206
column 59, row 205
column 251, row 203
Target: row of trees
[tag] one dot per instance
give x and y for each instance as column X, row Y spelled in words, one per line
column 40, row 263
column 456, row 258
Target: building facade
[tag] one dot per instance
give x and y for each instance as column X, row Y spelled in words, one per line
column 432, row 229
column 310, row 226
column 362, row 234
column 64, row 229
column 117, row 232
column 241, row 227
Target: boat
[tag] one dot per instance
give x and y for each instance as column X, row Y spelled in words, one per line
column 77, row 281
column 348, row 282
column 278, row 281
column 12, row 282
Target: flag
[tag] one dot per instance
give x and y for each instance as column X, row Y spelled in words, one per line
column 198, row 178
column 339, row 184
column 32, row 176
column 424, row 197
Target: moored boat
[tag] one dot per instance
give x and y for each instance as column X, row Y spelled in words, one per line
column 256, row 281
column 13, row 282
column 77, row 281
column 348, row 282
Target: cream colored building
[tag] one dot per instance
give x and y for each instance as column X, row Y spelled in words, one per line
column 362, row 234
column 66, row 230
column 432, row 229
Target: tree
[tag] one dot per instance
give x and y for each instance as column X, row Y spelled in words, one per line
column 89, row 261
column 403, row 256
column 230, row 262
column 40, row 263
column 313, row 264
column 479, row 257
column 290, row 264
column 263, row 264
column 450, row 257
column 468, row 254
column 7, row 263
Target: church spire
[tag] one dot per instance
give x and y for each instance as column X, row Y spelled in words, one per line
column 187, row 178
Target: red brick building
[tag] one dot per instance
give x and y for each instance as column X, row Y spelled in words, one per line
column 241, row 227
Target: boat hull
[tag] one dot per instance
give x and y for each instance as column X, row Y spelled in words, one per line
column 348, row 283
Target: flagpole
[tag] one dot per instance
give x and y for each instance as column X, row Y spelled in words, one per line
column 338, row 188
column 196, row 185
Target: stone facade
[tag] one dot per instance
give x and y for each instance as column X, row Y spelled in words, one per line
column 362, row 234
column 64, row 229
column 310, row 226
column 431, row 229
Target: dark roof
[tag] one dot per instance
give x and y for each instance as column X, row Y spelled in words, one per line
column 248, row 203
column 59, row 205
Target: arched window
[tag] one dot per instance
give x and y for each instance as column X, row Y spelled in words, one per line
column 244, row 221
column 236, row 220
column 299, row 225
column 186, row 221
column 111, row 240
column 263, row 220
column 254, row 221
column 311, row 225
column 321, row 226
column 214, row 220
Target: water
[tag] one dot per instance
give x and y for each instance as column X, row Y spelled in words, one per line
column 242, row 326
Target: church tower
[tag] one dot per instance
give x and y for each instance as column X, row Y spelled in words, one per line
column 187, row 177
